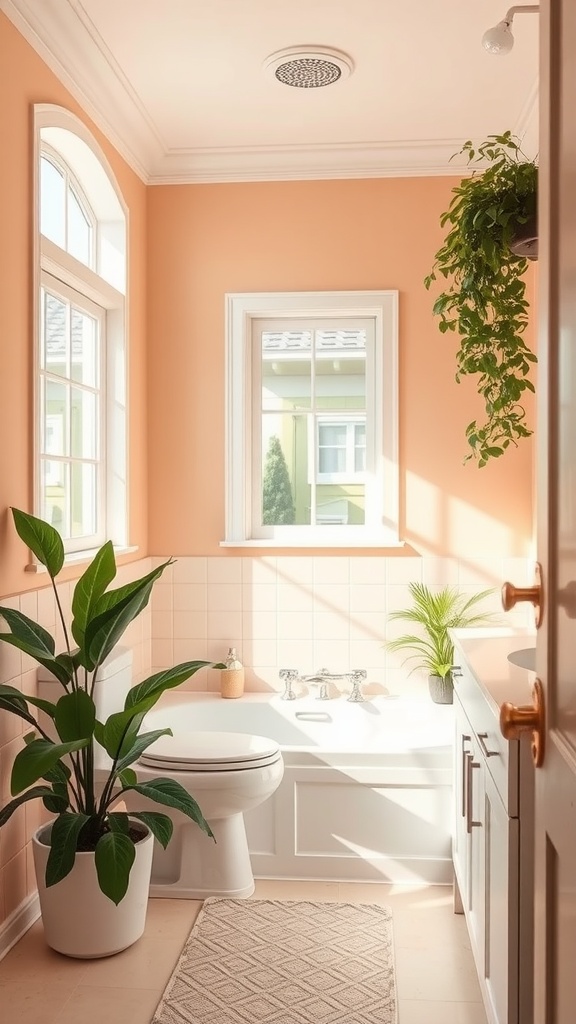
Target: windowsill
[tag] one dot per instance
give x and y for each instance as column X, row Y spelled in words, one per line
column 334, row 545
column 78, row 558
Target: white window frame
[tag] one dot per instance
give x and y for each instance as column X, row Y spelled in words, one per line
column 349, row 475
column 106, row 287
column 243, row 462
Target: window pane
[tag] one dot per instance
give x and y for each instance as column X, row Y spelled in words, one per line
column 53, row 496
column 52, row 200
column 84, row 348
column 55, row 335
column 360, row 447
column 55, row 427
column 84, row 424
column 340, row 369
column 79, row 231
column 285, row 487
column 286, row 369
column 83, row 500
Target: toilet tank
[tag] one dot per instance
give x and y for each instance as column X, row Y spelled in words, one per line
column 112, row 684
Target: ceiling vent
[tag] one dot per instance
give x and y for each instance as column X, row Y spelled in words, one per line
column 309, row 67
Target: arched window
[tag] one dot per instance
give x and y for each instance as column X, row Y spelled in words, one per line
column 81, row 255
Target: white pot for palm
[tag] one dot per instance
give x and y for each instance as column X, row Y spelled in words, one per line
column 79, row 920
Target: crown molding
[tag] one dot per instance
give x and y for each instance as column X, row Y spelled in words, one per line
column 68, row 42
column 411, row 158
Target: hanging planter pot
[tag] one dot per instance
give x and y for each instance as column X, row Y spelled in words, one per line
column 525, row 238
column 79, row 920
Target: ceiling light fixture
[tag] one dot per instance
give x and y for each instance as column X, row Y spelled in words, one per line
column 309, row 67
column 499, row 40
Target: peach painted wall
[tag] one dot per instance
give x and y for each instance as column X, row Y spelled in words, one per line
column 26, row 80
column 206, row 240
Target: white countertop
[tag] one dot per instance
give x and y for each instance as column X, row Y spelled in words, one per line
column 485, row 652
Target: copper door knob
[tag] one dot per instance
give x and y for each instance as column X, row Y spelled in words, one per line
column 515, row 721
column 512, row 596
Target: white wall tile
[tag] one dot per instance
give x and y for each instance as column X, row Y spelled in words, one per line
column 190, row 570
column 225, row 570
column 224, row 597
column 260, row 571
column 190, row 624
column 163, row 626
column 440, row 571
column 259, row 625
column 294, row 626
column 259, row 597
column 331, row 597
column 296, row 653
column 331, row 654
column 222, row 625
column 333, row 625
column 404, row 570
column 295, row 569
column 189, row 597
column 162, row 597
column 366, row 597
column 371, row 569
column 260, row 654
column 293, row 597
column 162, row 654
column 330, row 570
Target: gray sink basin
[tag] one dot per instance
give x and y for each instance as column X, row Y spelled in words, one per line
column 526, row 658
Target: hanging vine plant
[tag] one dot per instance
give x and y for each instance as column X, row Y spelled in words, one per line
column 492, row 234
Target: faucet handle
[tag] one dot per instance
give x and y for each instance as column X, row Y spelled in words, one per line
column 356, row 676
column 289, row 675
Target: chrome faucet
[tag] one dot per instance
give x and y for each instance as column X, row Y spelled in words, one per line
column 289, row 675
column 356, row 677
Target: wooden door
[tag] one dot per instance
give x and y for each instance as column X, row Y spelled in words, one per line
column 555, row 852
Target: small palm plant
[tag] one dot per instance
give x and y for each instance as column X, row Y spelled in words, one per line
column 432, row 648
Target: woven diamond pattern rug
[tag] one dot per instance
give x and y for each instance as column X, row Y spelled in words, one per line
column 276, row 962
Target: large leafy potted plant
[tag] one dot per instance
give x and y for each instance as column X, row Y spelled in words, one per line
column 492, row 222
column 434, row 613
column 89, row 838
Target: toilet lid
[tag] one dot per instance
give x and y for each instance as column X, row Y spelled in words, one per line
column 211, row 751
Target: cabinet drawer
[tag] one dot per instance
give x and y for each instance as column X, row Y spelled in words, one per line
column 500, row 755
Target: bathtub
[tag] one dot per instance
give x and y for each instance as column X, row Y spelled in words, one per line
column 366, row 792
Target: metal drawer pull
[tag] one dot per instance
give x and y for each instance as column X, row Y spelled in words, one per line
column 470, row 824
column 465, row 753
column 482, row 736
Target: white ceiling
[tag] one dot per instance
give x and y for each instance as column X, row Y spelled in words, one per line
column 179, row 87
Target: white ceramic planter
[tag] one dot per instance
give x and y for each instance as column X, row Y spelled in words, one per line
column 79, row 920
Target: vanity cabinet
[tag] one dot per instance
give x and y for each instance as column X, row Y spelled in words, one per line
column 492, row 849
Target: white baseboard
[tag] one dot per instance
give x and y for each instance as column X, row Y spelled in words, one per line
column 15, row 926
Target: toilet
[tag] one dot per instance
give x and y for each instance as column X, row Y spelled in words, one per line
column 226, row 773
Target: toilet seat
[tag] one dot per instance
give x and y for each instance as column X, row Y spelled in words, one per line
column 210, row 752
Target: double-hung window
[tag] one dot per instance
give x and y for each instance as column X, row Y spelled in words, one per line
column 312, row 419
column 80, row 379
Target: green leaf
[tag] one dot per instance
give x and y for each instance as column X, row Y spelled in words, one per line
column 33, row 640
column 172, row 794
column 42, row 539
column 119, row 822
column 160, row 825
column 114, row 857
column 141, row 744
column 36, row 793
column 90, row 588
column 37, row 758
column 63, row 842
column 152, row 688
column 127, row 777
column 75, row 716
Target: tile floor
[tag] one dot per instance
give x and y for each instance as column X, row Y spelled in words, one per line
column 435, row 975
